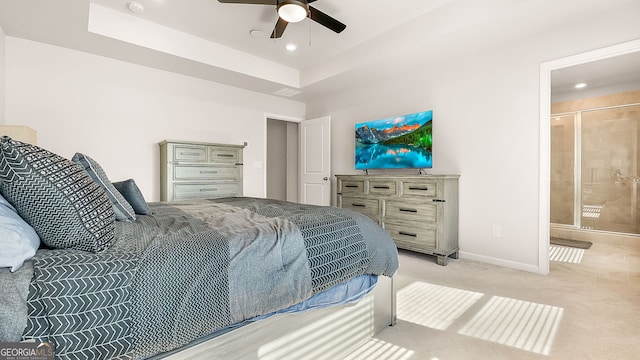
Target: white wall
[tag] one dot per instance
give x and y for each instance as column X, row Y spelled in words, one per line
column 2, row 76
column 485, row 127
column 117, row 112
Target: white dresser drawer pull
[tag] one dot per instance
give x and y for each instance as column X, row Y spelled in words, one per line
column 408, row 210
column 208, row 190
column 224, row 155
column 421, row 188
column 358, row 205
column 208, row 172
column 407, row 234
column 381, row 187
column 189, row 154
column 351, row 186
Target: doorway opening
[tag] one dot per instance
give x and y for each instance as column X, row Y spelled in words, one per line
column 547, row 69
column 282, row 160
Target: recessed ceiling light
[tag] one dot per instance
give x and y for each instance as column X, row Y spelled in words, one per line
column 135, row 7
column 580, row 86
column 291, row 47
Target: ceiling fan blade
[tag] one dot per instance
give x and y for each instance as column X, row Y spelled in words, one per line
column 326, row 20
column 278, row 30
column 253, row 2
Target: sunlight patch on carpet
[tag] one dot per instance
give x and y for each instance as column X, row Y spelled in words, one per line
column 378, row 349
column 566, row 254
column 433, row 306
column 326, row 337
column 516, row 323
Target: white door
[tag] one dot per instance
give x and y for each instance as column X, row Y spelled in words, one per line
column 315, row 161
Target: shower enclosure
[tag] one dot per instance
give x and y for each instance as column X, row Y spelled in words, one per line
column 595, row 169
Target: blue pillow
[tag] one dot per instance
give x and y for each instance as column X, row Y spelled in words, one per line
column 18, row 241
column 123, row 210
column 133, row 195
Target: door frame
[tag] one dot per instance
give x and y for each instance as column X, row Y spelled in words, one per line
column 545, row 136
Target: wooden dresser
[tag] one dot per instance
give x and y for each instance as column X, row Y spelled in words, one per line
column 192, row 170
column 419, row 212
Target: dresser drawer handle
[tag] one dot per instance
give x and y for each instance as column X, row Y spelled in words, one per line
column 208, row 190
column 358, row 205
column 190, row 154
column 352, row 186
column 381, row 187
column 224, row 155
column 420, row 188
column 208, row 172
column 408, row 210
column 407, row 234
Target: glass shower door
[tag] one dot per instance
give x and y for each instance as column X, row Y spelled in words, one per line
column 610, row 177
column 563, row 169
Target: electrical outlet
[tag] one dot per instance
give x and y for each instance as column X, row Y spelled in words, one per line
column 496, row 231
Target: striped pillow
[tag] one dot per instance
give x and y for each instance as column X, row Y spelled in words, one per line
column 123, row 210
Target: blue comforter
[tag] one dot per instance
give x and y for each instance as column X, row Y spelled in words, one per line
column 193, row 268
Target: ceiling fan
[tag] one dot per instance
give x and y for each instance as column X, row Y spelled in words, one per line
column 291, row 11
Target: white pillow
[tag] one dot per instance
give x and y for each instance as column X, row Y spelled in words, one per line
column 18, row 241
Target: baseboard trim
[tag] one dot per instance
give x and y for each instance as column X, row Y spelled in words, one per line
column 499, row 262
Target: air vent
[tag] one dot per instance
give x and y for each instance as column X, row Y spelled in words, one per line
column 286, row 92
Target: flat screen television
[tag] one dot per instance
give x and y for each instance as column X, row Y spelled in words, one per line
column 401, row 142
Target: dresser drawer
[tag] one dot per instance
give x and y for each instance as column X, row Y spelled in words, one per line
column 420, row 188
column 205, row 190
column 412, row 238
column 380, row 187
column 352, row 187
column 223, row 155
column 191, row 153
column 184, row 172
column 422, row 212
column 369, row 207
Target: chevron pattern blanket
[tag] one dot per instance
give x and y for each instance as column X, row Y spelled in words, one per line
column 193, row 268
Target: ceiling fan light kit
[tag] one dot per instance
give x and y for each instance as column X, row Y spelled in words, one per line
column 292, row 11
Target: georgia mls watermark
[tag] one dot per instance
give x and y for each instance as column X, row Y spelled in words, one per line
column 26, row 351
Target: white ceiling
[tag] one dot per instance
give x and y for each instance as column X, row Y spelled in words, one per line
column 211, row 40
column 230, row 24
column 620, row 72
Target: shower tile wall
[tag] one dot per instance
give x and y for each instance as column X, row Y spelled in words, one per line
column 632, row 97
column 562, row 166
column 610, row 164
column 609, row 169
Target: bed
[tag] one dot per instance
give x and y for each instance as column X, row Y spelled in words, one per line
column 115, row 277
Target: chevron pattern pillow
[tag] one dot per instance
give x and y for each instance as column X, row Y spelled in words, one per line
column 122, row 208
column 56, row 197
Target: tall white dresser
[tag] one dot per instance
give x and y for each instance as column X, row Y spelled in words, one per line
column 194, row 170
column 419, row 212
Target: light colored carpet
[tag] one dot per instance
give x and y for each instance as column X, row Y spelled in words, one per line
column 470, row 310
